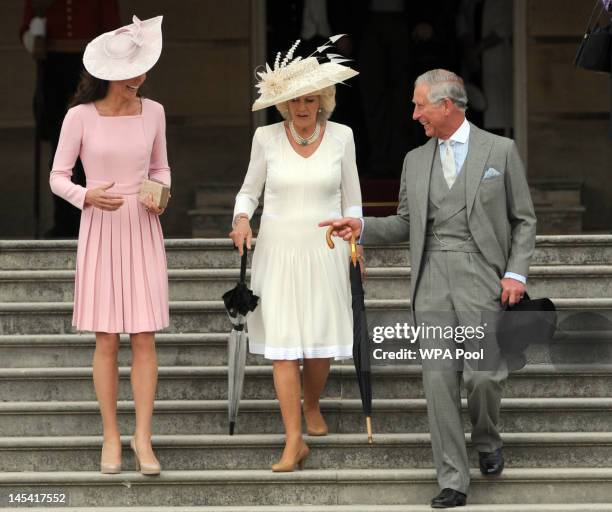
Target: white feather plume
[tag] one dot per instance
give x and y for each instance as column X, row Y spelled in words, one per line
column 333, row 39
column 274, row 81
column 338, row 61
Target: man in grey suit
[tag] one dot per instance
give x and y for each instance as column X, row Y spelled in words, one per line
column 465, row 206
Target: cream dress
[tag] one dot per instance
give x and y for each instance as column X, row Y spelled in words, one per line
column 305, row 297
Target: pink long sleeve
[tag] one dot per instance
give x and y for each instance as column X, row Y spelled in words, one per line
column 158, row 168
column 67, row 152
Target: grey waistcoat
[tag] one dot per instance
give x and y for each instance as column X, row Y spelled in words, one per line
column 447, row 222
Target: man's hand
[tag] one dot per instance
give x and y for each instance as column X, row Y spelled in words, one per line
column 345, row 227
column 512, row 291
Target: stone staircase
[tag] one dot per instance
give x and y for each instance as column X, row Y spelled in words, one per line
column 557, row 411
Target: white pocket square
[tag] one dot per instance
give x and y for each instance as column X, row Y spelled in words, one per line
column 491, row 173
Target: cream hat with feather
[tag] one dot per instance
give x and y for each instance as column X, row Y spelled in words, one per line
column 291, row 78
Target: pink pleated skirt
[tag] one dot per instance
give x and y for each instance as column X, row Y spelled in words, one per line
column 121, row 283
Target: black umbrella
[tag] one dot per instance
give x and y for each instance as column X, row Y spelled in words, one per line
column 238, row 302
column 361, row 338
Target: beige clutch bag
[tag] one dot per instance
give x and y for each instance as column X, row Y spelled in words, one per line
column 159, row 191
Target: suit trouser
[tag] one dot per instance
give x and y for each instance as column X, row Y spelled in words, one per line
column 456, row 288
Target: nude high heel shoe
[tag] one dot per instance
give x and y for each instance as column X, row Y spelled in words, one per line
column 286, row 465
column 149, row 469
column 315, row 423
column 109, row 468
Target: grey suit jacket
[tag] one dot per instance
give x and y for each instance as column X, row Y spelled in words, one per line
column 500, row 212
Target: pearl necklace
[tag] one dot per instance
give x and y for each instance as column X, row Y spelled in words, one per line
column 304, row 141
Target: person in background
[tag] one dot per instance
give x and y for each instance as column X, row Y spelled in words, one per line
column 55, row 32
column 485, row 29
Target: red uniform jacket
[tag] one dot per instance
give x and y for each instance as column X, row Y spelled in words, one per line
column 76, row 19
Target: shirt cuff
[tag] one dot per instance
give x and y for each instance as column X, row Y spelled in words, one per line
column 245, row 204
column 517, row 277
column 353, row 211
column 362, row 230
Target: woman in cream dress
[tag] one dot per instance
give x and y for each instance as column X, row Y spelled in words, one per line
column 307, row 166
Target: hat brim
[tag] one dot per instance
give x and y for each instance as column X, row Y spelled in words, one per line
column 99, row 64
column 331, row 74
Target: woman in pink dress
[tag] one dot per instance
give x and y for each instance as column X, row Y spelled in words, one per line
column 121, row 283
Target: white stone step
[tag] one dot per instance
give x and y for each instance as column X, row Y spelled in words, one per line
column 563, row 281
column 210, row 349
column 335, row 451
column 516, row 507
column 210, row 382
column 314, row 487
column 210, row 316
column 63, row 418
column 219, row 253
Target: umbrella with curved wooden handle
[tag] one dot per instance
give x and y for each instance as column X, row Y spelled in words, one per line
column 331, row 245
column 361, row 339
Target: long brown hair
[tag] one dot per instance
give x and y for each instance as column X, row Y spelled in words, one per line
column 90, row 89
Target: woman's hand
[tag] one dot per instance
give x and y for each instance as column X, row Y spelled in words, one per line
column 151, row 206
column 241, row 232
column 99, row 198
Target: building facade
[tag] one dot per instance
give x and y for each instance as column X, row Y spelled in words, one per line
column 205, row 81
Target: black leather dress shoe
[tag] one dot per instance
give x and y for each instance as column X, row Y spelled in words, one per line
column 491, row 463
column 449, row 498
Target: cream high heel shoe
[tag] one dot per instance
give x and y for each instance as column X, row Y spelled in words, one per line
column 149, row 469
column 109, row 468
column 315, row 423
column 287, row 466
